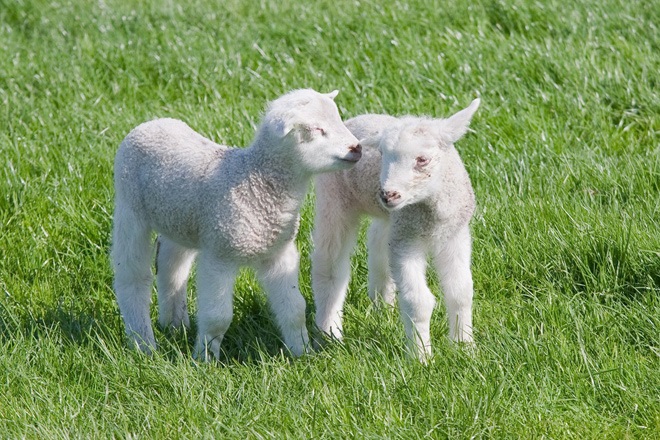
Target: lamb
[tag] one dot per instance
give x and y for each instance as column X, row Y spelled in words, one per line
column 413, row 184
column 227, row 207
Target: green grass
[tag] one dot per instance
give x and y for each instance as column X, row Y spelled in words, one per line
column 564, row 158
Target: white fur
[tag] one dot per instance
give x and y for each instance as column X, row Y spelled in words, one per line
column 427, row 212
column 227, row 206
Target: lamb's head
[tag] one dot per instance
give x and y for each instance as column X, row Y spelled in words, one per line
column 414, row 156
column 311, row 132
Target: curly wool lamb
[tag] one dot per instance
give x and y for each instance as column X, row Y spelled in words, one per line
column 412, row 181
column 227, row 207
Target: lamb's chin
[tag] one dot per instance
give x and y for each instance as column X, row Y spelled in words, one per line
column 343, row 164
column 396, row 207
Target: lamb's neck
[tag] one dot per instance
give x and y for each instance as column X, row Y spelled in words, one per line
column 282, row 176
column 453, row 193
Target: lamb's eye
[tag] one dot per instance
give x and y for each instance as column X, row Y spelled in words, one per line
column 321, row 131
column 422, row 161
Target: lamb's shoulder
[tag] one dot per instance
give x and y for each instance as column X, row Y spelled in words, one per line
column 426, row 224
column 252, row 212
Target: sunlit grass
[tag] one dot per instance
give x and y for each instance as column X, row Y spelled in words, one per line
column 565, row 161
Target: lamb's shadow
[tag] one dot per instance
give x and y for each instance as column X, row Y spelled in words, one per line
column 66, row 327
column 251, row 338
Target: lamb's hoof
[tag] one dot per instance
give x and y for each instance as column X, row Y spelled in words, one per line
column 139, row 344
column 322, row 339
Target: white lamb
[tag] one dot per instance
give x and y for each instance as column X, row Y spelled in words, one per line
column 232, row 206
column 414, row 185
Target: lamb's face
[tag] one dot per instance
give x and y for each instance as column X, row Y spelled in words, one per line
column 412, row 160
column 318, row 137
column 414, row 153
column 325, row 144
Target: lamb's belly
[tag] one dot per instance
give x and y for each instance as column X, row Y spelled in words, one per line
column 185, row 231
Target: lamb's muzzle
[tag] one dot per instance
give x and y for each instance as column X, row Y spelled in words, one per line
column 390, row 198
column 354, row 153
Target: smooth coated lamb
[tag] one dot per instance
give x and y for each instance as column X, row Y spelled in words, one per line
column 412, row 181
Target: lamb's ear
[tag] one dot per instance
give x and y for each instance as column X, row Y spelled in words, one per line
column 333, row 94
column 457, row 125
column 282, row 128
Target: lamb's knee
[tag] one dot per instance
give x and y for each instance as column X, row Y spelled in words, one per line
column 173, row 315
column 215, row 321
column 325, row 261
column 418, row 306
column 459, row 295
column 298, row 308
column 290, row 310
column 382, row 290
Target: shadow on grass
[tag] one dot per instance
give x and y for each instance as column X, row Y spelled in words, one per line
column 252, row 337
column 57, row 323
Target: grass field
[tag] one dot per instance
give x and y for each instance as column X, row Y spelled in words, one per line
column 564, row 159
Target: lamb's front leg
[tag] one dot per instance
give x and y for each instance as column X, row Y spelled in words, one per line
column 381, row 284
column 215, row 293
column 453, row 265
column 416, row 302
column 335, row 234
column 279, row 276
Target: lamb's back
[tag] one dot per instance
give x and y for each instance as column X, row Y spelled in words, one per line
column 170, row 146
column 370, row 126
column 159, row 168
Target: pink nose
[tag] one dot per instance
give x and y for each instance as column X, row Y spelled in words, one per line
column 389, row 196
column 356, row 149
column 354, row 153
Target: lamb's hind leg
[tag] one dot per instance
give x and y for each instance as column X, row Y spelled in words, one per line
column 279, row 276
column 173, row 263
column 335, row 234
column 453, row 265
column 131, row 262
column 381, row 284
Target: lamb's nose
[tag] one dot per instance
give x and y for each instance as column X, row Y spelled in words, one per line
column 388, row 196
column 355, row 149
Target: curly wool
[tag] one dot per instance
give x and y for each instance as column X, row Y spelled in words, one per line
column 231, row 206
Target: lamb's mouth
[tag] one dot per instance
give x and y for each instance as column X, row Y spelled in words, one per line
column 392, row 205
column 351, row 158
